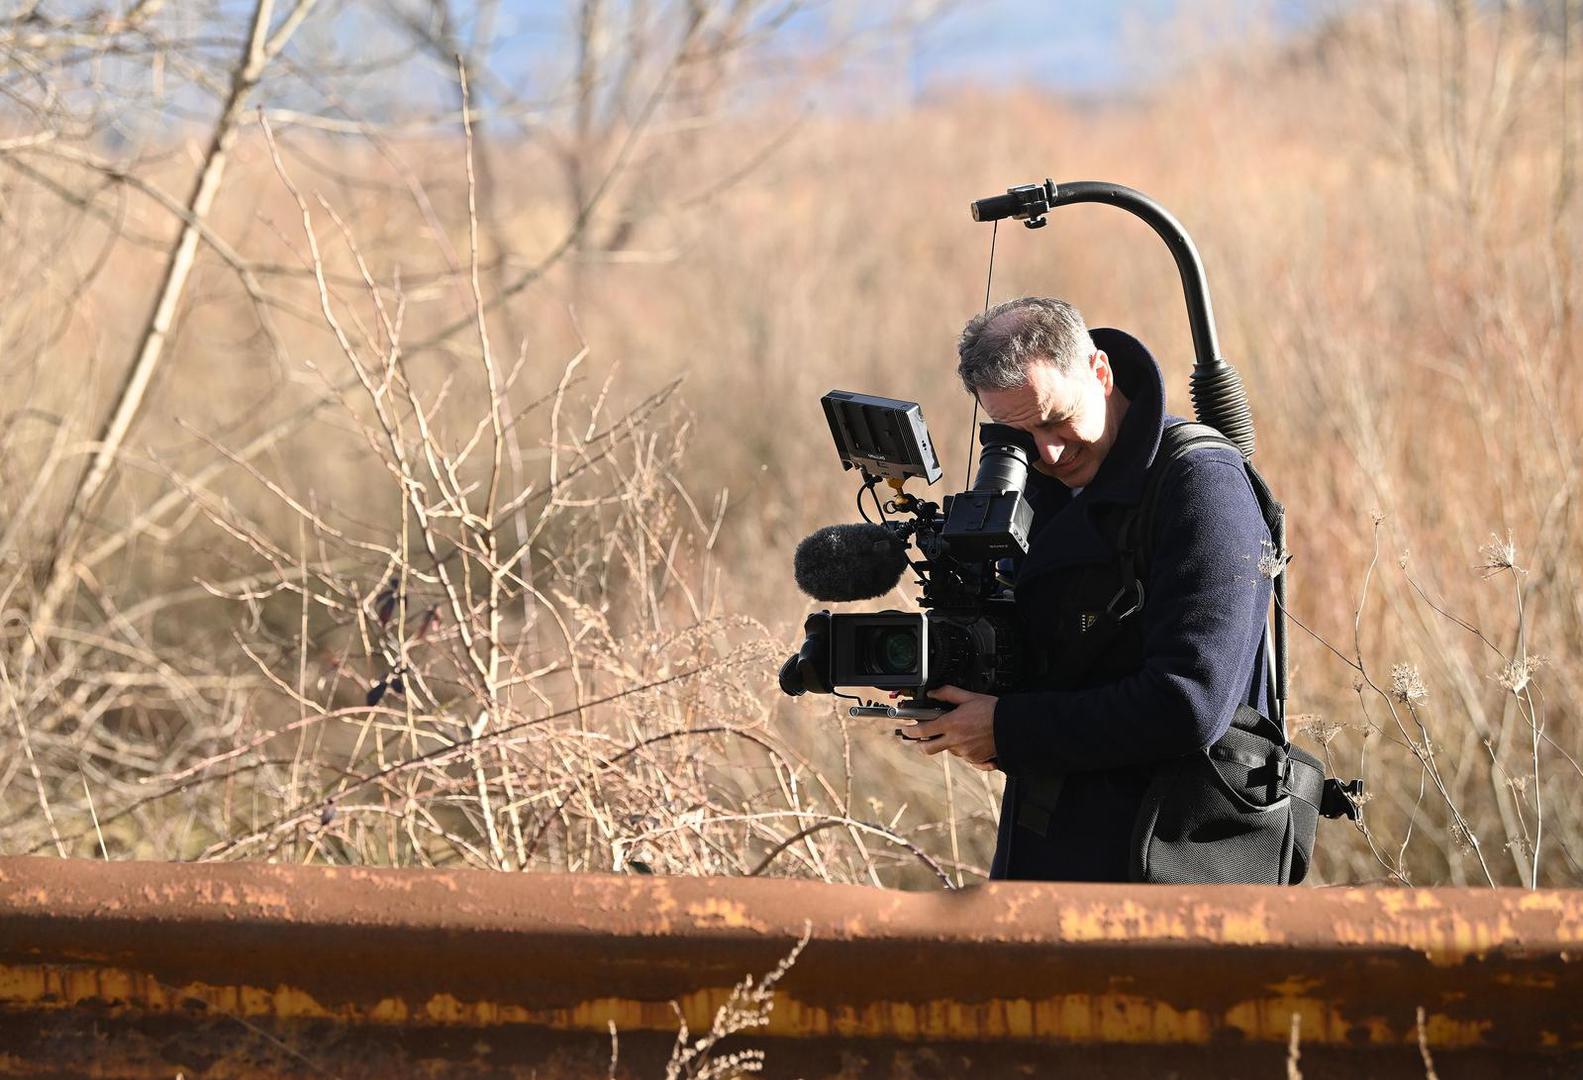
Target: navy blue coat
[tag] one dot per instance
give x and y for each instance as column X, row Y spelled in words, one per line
column 1179, row 669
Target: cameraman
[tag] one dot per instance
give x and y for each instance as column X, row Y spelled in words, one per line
column 1079, row 748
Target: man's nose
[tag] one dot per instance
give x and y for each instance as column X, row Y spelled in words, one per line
column 1051, row 450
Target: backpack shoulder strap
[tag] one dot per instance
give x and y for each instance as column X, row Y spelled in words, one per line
column 1176, row 442
column 1136, row 538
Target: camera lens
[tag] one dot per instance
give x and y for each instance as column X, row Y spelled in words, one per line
column 1003, row 461
column 891, row 651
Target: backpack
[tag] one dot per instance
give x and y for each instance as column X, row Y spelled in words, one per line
column 1247, row 808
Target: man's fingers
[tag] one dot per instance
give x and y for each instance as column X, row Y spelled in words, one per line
column 953, row 694
column 932, row 744
column 936, row 733
column 964, row 731
column 932, row 736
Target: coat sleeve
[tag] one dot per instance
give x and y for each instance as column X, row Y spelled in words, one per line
column 1204, row 618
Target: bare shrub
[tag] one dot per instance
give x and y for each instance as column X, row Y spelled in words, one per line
column 478, row 614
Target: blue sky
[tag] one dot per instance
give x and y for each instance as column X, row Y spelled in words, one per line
column 1084, row 45
column 1069, row 45
column 1079, row 45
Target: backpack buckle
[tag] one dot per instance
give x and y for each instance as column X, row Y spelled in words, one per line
column 1342, row 799
column 1121, row 594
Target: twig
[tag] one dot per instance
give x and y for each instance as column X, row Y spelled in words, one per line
column 104, row 852
column 1423, row 1047
column 832, row 822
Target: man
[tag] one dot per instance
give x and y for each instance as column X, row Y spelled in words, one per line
column 1080, row 747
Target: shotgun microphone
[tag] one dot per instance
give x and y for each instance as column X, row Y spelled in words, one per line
column 850, row 562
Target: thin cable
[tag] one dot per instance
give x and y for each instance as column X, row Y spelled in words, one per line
column 868, row 489
column 989, row 281
column 993, row 232
column 873, row 493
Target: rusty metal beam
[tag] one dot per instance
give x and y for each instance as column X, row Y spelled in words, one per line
column 461, row 953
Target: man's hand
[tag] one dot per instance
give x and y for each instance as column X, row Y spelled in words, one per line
column 968, row 731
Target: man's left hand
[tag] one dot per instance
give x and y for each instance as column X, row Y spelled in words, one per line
column 968, row 731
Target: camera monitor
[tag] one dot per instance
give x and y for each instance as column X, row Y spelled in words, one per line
column 883, row 436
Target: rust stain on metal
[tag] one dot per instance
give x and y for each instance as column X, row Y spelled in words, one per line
column 716, row 911
column 1071, row 965
column 1072, row 1018
column 1132, row 920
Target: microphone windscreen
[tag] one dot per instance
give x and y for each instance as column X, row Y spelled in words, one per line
column 849, row 562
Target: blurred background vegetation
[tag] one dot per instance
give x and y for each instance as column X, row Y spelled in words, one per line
column 411, row 406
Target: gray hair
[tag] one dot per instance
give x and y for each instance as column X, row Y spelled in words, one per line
column 997, row 347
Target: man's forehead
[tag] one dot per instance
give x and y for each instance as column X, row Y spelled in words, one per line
column 1052, row 386
column 1047, row 391
column 1032, row 400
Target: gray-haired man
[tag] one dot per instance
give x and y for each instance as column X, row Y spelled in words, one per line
column 1081, row 746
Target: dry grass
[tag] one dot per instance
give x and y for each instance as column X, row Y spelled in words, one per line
column 579, row 571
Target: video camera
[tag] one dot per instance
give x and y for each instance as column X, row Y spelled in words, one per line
column 965, row 635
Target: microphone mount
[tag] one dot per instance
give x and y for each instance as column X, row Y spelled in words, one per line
column 1027, row 203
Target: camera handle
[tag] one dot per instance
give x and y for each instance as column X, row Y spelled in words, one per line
column 899, row 712
column 896, row 712
column 916, row 712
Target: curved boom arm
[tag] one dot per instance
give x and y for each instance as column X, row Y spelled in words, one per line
column 1218, row 396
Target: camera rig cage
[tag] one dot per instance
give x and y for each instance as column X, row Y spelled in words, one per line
column 965, row 632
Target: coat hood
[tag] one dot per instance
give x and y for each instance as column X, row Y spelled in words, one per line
column 1069, row 535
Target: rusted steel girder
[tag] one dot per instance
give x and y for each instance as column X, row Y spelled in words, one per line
column 1074, row 966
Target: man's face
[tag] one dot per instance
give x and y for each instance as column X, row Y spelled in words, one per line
column 1073, row 417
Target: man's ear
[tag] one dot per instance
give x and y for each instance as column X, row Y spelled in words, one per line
column 1107, row 377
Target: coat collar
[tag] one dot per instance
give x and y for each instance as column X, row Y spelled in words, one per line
column 1120, row 476
column 1064, row 529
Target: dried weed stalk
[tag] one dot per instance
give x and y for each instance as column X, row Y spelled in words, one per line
column 748, row 1007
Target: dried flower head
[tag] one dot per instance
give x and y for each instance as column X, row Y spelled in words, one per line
column 1517, row 674
column 1321, row 729
column 1407, row 685
column 1464, row 840
column 1498, row 556
column 1271, row 561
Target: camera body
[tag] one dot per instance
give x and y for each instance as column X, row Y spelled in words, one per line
column 966, row 633
column 908, row 651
